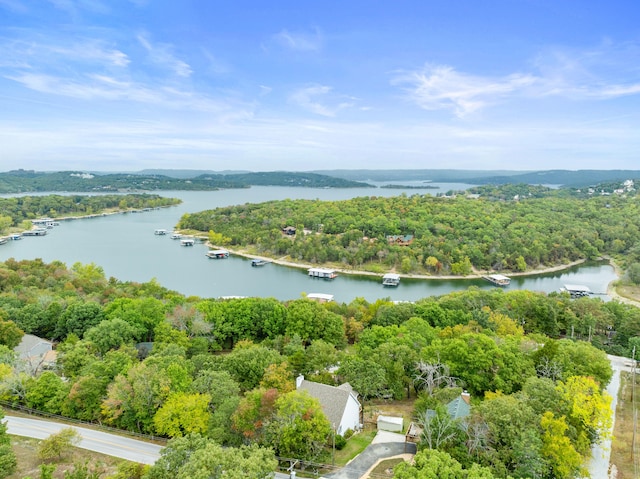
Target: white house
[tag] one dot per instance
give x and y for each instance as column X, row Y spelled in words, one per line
column 340, row 404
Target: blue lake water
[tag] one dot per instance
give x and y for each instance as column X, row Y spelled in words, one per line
column 125, row 246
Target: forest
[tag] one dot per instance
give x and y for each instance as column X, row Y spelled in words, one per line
column 17, row 212
column 25, row 181
column 216, row 375
column 510, row 228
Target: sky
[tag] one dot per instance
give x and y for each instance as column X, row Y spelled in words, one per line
column 125, row 85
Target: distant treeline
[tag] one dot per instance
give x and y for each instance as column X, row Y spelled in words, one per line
column 15, row 211
column 24, row 181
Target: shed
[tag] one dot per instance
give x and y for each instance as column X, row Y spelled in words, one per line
column 390, row 423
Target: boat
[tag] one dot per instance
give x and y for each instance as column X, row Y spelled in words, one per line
column 320, row 297
column 322, row 273
column 187, row 242
column 175, row 235
column 498, row 279
column 391, row 279
column 217, row 254
column 3, row 239
column 15, row 236
column 160, row 232
column 259, row 262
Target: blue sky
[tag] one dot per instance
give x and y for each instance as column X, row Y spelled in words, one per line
column 304, row 85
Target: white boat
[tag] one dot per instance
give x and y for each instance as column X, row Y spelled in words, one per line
column 498, row 279
column 217, row 254
column 160, row 232
column 391, row 279
column 15, row 236
column 3, row 240
column 175, row 235
column 187, row 242
column 322, row 273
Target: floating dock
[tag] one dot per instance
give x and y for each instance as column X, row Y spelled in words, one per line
column 391, row 279
column 497, row 279
column 576, row 290
column 217, row 254
column 322, row 273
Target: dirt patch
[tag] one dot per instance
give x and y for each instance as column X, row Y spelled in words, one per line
column 404, row 409
column 26, row 450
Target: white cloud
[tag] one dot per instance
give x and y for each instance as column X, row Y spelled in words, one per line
column 438, row 87
column 299, row 41
column 161, row 54
column 309, row 99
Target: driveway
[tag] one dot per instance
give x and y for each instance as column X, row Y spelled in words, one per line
column 384, row 446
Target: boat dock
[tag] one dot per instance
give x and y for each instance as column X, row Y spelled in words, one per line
column 259, row 262
column 497, row 279
column 217, row 254
column 187, row 241
column 160, row 232
column 322, row 273
column 576, row 290
column 391, row 279
column 35, row 232
column 320, row 297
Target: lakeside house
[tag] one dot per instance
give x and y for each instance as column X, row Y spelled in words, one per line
column 400, row 240
column 340, row 404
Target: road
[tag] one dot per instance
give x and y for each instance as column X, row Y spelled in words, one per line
column 601, row 453
column 97, row 441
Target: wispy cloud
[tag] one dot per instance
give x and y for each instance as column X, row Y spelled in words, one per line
column 161, row 54
column 310, row 98
column 438, row 87
column 592, row 74
column 300, row 41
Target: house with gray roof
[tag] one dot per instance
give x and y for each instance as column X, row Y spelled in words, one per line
column 340, row 404
column 37, row 353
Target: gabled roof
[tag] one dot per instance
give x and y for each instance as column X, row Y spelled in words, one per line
column 333, row 400
column 31, row 346
column 458, row 408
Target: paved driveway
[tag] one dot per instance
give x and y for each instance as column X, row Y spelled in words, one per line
column 383, row 446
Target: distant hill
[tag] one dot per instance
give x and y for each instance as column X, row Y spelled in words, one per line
column 568, row 178
column 27, row 181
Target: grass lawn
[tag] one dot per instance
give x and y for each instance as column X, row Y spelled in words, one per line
column 26, row 450
column 623, row 454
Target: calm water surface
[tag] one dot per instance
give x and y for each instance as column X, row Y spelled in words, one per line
column 126, row 248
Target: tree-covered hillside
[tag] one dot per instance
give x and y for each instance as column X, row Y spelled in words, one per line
column 538, row 227
column 21, row 181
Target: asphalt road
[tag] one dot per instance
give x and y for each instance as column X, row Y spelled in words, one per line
column 102, row 442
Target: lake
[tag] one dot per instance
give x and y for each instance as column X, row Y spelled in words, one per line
column 125, row 246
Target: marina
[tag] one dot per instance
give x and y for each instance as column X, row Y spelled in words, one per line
column 121, row 244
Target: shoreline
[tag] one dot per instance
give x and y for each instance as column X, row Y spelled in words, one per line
column 477, row 275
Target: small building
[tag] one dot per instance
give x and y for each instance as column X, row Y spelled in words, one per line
column 340, row 404
column 289, row 230
column 460, row 407
column 390, row 423
column 400, row 240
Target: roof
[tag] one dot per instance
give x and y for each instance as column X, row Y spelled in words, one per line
column 333, row 400
column 499, row 277
column 391, row 276
column 320, row 296
column 577, row 288
column 391, row 419
column 31, row 346
column 459, row 407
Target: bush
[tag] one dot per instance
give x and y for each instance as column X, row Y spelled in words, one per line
column 348, row 433
column 340, row 442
